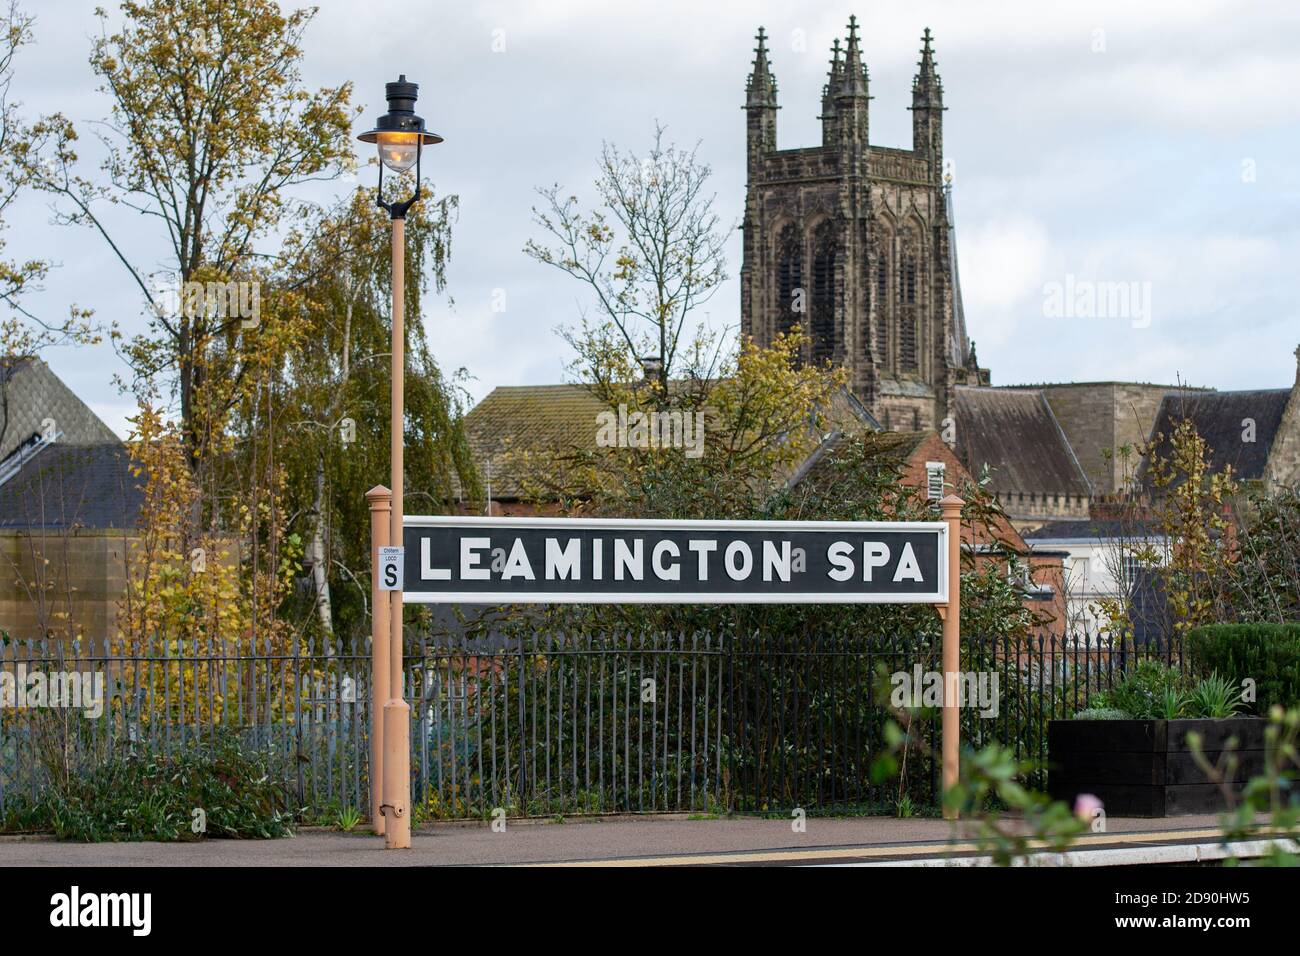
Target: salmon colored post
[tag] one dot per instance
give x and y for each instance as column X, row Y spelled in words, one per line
column 401, row 137
column 397, row 723
column 950, row 507
column 381, row 502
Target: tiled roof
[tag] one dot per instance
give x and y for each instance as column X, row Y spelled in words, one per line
column 73, row 486
column 1016, row 435
column 1220, row 418
column 542, row 419
column 885, row 445
column 532, row 418
column 32, row 396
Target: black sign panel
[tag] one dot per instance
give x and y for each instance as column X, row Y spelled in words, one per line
column 617, row 561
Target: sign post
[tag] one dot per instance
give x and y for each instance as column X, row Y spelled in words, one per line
column 950, row 508
column 381, row 502
column 524, row 560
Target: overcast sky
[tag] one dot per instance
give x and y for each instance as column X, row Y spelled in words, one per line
column 1143, row 142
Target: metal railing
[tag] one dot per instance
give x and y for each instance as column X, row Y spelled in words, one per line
column 558, row 724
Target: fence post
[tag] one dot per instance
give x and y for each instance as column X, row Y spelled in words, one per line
column 381, row 503
column 950, row 508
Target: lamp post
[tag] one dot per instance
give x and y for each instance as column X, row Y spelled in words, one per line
column 401, row 138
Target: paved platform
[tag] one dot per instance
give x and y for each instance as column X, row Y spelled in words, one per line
column 636, row 841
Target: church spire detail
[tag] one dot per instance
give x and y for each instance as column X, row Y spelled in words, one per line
column 834, row 79
column 927, row 88
column 760, row 105
column 927, row 107
column 854, row 80
column 760, row 89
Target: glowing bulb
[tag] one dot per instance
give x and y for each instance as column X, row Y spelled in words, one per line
column 398, row 151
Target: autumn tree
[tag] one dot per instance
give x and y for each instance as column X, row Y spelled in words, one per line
column 210, row 131
column 331, row 424
column 651, row 252
column 751, row 414
column 1177, row 535
column 24, row 333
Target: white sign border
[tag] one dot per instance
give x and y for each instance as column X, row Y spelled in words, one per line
column 937, row 597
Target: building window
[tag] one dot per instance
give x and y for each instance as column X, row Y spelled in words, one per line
column 822, row 313
column 908, row 284
column 882, row 309
column 934, row 474
column 907, row 295
column 907, row 342
column 789, row 278
column 1133, row 566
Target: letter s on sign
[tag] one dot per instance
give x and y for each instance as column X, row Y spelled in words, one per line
column 840, row 555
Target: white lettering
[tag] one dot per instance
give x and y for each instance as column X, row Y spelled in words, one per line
column 666, row 573
column 469, row 559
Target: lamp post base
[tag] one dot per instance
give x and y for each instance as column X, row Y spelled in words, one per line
column 397, row 776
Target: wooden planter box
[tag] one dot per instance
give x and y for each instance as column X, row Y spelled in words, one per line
column 1144, row 768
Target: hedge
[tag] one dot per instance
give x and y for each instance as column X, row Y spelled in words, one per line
column 1267, row 653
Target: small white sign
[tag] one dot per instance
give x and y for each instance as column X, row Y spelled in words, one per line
column 390, row 569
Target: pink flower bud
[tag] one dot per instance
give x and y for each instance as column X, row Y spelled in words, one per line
column 1086, row 807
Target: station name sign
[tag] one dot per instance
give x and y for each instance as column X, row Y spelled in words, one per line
column 481, row 560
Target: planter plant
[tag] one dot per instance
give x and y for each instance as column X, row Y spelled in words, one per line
column 1130, row 748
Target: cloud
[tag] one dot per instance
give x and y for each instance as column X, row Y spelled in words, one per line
column 1123, row 163
column 1002, row 264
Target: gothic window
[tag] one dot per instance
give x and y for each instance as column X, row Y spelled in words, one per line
column 822, row 311
column 907, row 307
column 789, row 278
column 907, row 342
column 882, row 310
column 909, row 281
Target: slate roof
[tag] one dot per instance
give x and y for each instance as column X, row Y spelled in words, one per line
column 31, row 395
column 1015, row 433
column 1089, row 528
column 73, row 486
column 1218, row 418
column 892, row 445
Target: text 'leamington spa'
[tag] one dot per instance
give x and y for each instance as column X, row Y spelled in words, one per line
column 629, row 559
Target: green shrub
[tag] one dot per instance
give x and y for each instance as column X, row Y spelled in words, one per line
column 1269, row 654
column 1147, row 692
column 1172, row 703
column 1215, row 696
column 153, row 796
column 1154, row 691
column 1102, row 713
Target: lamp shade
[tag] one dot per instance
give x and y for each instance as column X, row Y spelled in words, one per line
column 399, row 133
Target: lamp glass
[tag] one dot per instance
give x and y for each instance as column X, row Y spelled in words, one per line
column 398, row 151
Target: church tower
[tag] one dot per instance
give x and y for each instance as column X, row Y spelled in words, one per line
column 854, row 244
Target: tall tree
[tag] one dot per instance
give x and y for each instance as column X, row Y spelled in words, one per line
column 211, row 128
column 24, row 333
column 332, row 421
column 652, row 252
